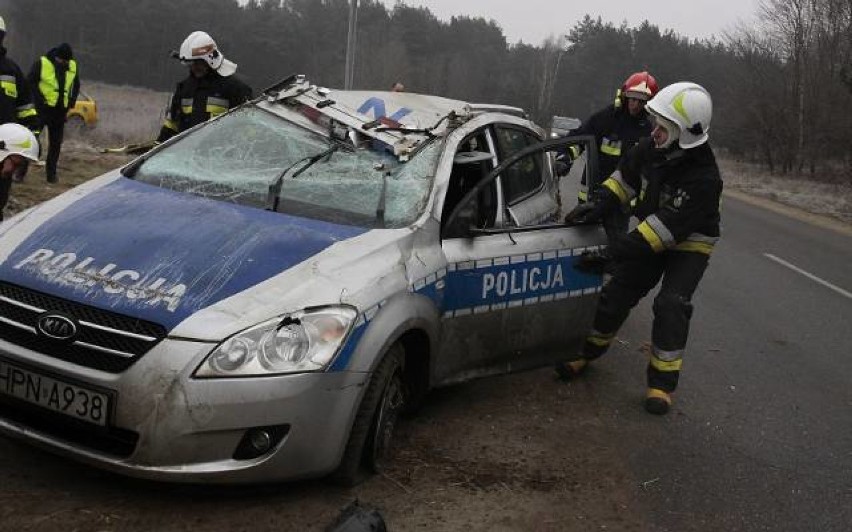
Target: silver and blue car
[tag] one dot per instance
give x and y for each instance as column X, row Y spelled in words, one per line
column 261, row 297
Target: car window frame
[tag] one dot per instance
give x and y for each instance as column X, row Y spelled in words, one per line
column 486, row 131
column 501, row 157
column 548, row 145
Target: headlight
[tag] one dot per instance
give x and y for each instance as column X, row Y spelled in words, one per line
column 295, row 343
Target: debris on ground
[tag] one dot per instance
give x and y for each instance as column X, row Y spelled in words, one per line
column 357, row 518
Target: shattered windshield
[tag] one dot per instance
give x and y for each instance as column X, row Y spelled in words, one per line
column 239, row 156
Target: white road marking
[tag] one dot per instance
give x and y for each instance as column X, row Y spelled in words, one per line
column 808, row 275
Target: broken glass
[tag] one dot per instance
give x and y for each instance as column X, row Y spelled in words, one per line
column 237, row 157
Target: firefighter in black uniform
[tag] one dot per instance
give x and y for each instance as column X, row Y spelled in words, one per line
column 16, row 99
column 211, row 88
column 16, row 106
column 675, row 177
column 617, row 128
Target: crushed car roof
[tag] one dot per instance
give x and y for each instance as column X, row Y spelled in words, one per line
column 412, row 109
column 403, row 120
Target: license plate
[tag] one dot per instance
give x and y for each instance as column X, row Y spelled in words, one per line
column 70, row 399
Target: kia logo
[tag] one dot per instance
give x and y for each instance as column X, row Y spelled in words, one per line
column 56, row 326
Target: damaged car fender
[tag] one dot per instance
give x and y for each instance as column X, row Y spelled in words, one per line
column 401, row 314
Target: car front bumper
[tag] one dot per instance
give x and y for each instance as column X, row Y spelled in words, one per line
column 188, row 429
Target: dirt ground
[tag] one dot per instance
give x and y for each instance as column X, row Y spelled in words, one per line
column 506, row 453
column 78, row 164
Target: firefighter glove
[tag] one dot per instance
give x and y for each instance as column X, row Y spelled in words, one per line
column 593, row 262
column 584, row 213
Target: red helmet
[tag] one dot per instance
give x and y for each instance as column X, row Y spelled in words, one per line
column 640, row 85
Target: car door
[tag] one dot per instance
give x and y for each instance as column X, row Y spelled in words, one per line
column 468, row 324
column 524, row 300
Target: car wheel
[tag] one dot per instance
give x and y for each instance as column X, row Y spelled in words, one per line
column 370, row 439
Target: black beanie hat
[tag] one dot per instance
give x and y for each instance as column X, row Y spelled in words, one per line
column 63, row 51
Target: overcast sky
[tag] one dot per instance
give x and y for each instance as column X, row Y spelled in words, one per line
column 533, row 20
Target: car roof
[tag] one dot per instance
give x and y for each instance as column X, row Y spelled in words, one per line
column 403, row 120
column 408, row 108
column 423, row 110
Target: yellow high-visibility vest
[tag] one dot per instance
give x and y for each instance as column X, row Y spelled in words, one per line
column 48, row 85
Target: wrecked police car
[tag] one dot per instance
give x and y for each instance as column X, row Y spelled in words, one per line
column 260, row 297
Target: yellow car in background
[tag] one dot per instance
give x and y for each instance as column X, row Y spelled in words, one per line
column 84, row 114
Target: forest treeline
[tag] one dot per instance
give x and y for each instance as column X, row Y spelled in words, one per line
column 782, row 88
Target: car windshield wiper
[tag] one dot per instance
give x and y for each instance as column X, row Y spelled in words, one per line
column 275, row 187
column 131, row 169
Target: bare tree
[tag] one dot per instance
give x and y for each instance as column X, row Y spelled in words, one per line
column 551, row 56
column 798, row 56
column 790, row 24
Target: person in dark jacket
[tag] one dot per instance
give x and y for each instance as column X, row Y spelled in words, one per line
column 675, row 175
column 16, row 100
column 617, row 128
column 211, row 88
column 55, row 80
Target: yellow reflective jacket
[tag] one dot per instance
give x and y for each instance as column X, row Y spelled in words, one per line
column 48, row 83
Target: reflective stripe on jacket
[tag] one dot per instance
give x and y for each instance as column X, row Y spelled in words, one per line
column 9, row 85
column 677, row 199
column 16, row 101
column 615, row 131
column 198, row 100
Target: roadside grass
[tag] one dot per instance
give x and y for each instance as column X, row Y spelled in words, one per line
column 827, row 199
column 125, row 115
column 75, row 167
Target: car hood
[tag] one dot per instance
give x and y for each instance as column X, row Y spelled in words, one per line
column 159, row 255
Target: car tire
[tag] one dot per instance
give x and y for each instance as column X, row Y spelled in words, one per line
column 368, row 447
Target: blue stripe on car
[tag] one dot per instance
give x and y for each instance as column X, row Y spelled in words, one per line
column 493, row 285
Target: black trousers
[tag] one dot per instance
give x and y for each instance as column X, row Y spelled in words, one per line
column 5, row 186
column 680, row 272
column 55, row 124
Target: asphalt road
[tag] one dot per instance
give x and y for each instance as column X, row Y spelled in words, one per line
column 760, row 436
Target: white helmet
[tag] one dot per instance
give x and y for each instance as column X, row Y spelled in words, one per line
column 689, row 107
column 200, row 45
column 2, row 25
column 16, row 139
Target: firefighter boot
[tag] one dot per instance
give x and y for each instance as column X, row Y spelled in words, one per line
column 571, row 369
column 657, row 401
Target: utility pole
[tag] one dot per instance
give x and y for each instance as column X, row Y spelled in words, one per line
column 349, row 75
